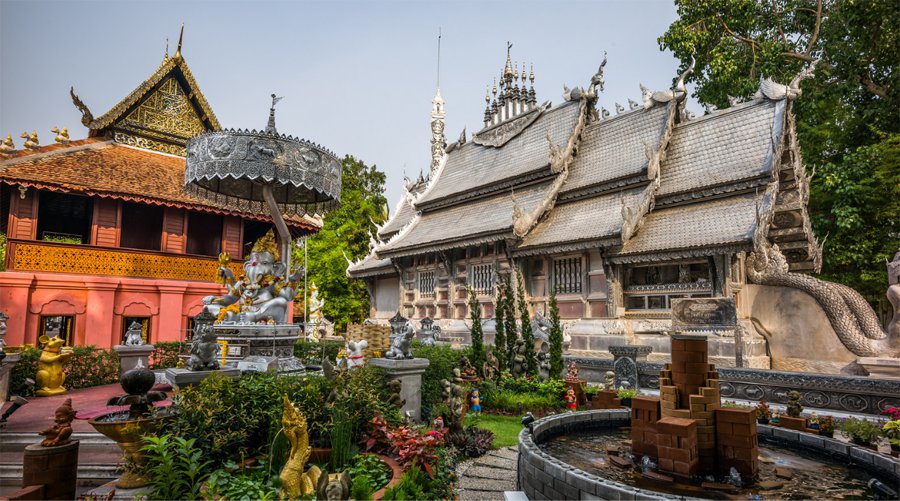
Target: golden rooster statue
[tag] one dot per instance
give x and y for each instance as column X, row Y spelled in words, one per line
column 294, row 482
column 7, row 146
column 62, row 136
column 31, row 142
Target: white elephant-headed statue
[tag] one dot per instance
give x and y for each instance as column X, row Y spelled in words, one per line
column 262, row 293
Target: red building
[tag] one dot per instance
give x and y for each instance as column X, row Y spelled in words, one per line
column 99, row 232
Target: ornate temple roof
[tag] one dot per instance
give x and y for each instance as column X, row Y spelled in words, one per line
column 404, row 211
column 101, row 167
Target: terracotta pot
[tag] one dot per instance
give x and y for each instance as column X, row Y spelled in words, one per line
column 319, row 454
column 762, row 421
column 626, row 402
column 396, row 473
column 829, row 434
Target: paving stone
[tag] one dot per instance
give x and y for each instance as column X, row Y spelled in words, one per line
column 480, row 496
column 492, row 473
column 505, row 453
column 496, row 462
column 484, row 484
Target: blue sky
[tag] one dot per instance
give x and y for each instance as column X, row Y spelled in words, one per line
column 358, row 76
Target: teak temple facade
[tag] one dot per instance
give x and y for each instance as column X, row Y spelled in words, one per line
column 100, row 232
column 621, row 213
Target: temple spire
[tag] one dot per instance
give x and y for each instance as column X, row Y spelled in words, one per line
column 438, row 142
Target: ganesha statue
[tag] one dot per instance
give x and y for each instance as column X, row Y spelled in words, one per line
column 262, row 293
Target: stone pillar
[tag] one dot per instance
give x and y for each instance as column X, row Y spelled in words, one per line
column 54, row 467
column 130, row 355
column 171, row 299
column 15, row 298
column 409, row 372
column 625, row 362
column 6, row 367
column 101, row 297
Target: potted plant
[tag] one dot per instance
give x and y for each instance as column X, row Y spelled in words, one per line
column 861, row 431
column 826, row 427
column 763, row 413
column 891, row 430
column 626, row 394
column 591, row 390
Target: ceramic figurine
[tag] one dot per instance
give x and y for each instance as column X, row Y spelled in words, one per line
column 402, row 342
column 133, row 335
column 438, row 423
column 354, row 353
column 204, row 346
column 491, row 365
column 572, row 371
column 609, row 381
column 814, row 421
column 50, row 375
column 571, row 401
column 333, row 487
column 776, row 417
column 475, row 399
column 59, row 433
column 395, row 386
column 467, row 369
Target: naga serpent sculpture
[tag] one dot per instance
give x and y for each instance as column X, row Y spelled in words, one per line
column 851, row 317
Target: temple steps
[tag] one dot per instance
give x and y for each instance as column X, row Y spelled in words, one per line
column 98, row 458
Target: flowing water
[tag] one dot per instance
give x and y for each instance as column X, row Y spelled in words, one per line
column 812, row 476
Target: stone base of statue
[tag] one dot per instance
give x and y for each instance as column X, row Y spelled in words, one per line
column 110, row 492
column 55, row 467
column 409, row 371
column 6, row 367
column 881, row 367
column 182, row 378
column 130, row 355
column 260, row 340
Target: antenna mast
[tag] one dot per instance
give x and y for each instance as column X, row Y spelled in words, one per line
column 439, row 59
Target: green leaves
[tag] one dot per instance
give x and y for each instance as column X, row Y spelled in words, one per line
column 555, row 338
column 175, row 467
column 477, row 333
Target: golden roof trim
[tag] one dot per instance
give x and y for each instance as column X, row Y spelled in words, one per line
column 165, row 68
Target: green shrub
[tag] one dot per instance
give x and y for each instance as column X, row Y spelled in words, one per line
column 555, row 339
column 410, row 488
column 312, row 353
column 165, row 354
column 246, row 484
column 861, row 431
column 626, row 392
column 341, row 438
column 88, row 366
column 175, row 467
column 443, row 359
column 362, row 489
column 415, row 484
column 508, row 401
column 477, row 333
column 372, row 468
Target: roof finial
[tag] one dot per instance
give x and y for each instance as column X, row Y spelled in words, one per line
column 270, row 127
column 166, row 57
column 507, row 70
column 180, row 37
column 439, row 59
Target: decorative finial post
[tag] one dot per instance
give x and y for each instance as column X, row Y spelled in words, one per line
column 166, row 56
column 270, row 127
column 180, row 38
column 438, row 142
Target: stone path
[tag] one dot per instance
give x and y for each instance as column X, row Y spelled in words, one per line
column 485, row 478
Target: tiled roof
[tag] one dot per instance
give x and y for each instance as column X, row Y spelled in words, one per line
column 724, row 147
column 717, row 222
column 401, row 217
column 100, row 167
column 590, row 219
column 487, row 219
column 371, row 266
column 472, row 166
column 616, row 147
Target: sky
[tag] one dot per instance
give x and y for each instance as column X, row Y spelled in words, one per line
column 357, row 77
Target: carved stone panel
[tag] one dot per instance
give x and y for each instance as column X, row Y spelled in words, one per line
column 704, row 313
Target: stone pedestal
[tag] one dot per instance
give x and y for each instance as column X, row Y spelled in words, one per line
column 881, row 367
column 6, row 366
column 409, row 372
column 182, row 378
column 130, row 355
column 258, row 340
column 54, row 467
column 606, row 399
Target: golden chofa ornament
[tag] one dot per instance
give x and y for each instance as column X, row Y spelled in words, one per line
column 267, row 243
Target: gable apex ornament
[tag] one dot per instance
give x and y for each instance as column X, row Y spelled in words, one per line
column 775, row 91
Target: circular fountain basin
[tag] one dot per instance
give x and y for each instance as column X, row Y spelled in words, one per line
column 565, row 457
column 128, row 434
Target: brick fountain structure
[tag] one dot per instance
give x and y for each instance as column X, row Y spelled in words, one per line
column 685, row 429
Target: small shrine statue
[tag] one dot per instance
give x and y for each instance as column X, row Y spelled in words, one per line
column 438, row 423
column 452, row 394
column 395, row 386
column 133, row 335
column 776, row 417
column 354, row 354
column 402, row 342
column 3, row 318
column 572, row 371
column 475, row 400
column 571, row 400
column 813, row 421
column 316, row 318
column 333, row 487
column 794, row 408
column 59, row 433
column 491, row 365
column 467, row 369
column 518, row 365
column 204, row 346
column 50, row 375
column 430, row 332
column 294, row 481
column 261, row 293
column 543, row 361
column 609, row 381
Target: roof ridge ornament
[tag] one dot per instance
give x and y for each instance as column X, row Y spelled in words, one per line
column 775, row 91
column 270, row 127
column 180, row 38
column 86, row 116
column 678, row 92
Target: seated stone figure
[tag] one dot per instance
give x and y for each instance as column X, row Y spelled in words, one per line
column 262, row 293
column 401, row 343
column 133, row 335
column 204, row 347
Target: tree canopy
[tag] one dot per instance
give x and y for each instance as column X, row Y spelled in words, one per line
column 346, row 231
column 848, row 119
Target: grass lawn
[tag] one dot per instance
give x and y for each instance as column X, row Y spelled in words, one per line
column 506, row 428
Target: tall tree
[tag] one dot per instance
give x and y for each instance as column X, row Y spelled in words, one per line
column 511, row 330
column 500, row 326
column 527, row 331
column 477, row 333
column 346, row 231
column 847, row 118
column 555, row 338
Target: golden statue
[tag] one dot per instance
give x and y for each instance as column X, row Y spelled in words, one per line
column 31, row 142
column 267, row 243
column 50, row 376
column 294, row 482
column 8, row 146
column 62, row 136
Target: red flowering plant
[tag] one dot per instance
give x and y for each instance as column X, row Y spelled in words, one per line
column 893, row 412
column 403, row 443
